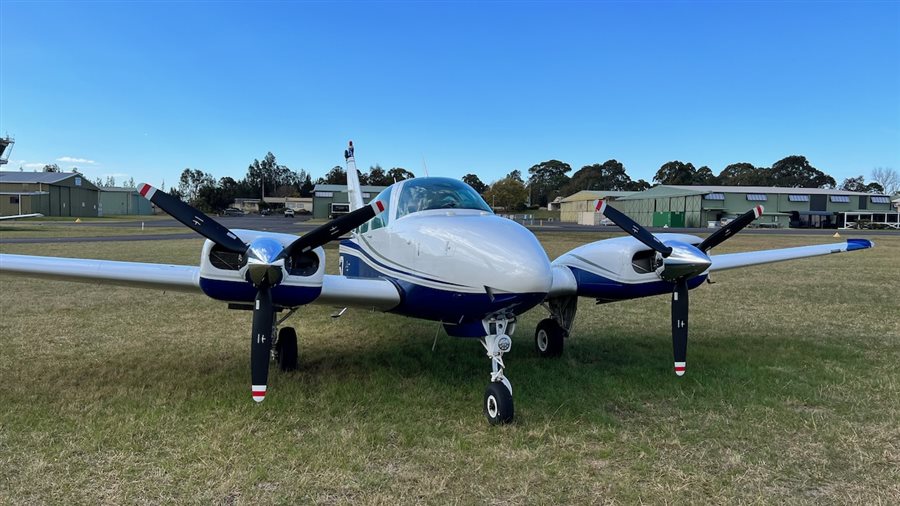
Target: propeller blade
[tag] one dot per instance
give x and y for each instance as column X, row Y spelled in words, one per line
column 627, row 224
column 735, row 226
column 261, row 342
column 333, row 229
column 199, row 222
column 680, row 325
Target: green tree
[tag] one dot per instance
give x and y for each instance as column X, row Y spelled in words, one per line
column 377, row 176
column 546, row 180
column 51, row 167
column 190, row 183
column 509, row 193
column 858, row 184
column 476, row 183
column 795, row 171
column 306, row 189
column 704, row 175
column 744, row 174
column 337, row 175
column 610, row 175
column 399, row 174
column 676, row 172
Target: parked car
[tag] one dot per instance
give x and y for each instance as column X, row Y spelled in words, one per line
column 232, row 211
column 288, row 212
column 265, row 212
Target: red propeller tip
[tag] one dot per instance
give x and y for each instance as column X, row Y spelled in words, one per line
column 679, row 368
column 259, row 392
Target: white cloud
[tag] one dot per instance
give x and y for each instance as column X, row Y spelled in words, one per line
column 70, row 159
column 38, row 165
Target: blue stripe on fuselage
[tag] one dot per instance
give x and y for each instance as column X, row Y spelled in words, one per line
column 605, row 289
column 243, row 291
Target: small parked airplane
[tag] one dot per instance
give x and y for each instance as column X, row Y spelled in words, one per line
column 429, row 248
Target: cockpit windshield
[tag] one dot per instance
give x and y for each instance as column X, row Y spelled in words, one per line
column 438, row 193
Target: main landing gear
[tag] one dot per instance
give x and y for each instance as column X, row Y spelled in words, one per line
column 550, row 334
column 284, row 349
column 498, row 402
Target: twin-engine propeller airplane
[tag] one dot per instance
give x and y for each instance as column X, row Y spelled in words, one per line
column 429, row 248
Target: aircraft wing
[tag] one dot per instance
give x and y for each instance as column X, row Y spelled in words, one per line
column 734, row 260
column 370, row 293
column 161, row 276
column 18, row 216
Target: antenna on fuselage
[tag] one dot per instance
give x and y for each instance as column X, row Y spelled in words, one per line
column 424, row 166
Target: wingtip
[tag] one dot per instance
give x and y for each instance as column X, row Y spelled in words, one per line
column 858, row 244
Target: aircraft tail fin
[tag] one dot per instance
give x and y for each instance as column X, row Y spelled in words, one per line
column 354, row 190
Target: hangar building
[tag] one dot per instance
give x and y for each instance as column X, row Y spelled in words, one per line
column 579, row 208
column 324, row 195
column 48, row 193
column 116, row 201
column 698, row 206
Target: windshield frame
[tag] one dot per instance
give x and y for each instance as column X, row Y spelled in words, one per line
column 438, row 194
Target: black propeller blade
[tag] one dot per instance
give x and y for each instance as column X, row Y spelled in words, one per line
column 261, row 342
column 730, row 229
column 333, row 229
column 638, row 232
column 203, row 224
column 680, row 325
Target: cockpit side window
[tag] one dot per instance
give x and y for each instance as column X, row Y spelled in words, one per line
column 438, row 193
column 381, row 220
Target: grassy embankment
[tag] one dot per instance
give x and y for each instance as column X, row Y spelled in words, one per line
column 792, row 395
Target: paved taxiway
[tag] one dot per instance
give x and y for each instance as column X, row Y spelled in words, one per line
column 299, row 226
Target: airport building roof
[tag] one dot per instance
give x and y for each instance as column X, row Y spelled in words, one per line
column 595, row 194
column 663, row 191
column 343, row 188
column 35, row 177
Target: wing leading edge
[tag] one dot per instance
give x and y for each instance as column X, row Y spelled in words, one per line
column 161, row 276
column 734, row 260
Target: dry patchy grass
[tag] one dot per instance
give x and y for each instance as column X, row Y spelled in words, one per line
column 116, row 395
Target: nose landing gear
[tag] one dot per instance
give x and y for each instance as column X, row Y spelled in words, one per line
column 498, row 401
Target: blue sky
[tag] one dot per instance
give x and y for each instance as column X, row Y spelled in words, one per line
column 145, row 89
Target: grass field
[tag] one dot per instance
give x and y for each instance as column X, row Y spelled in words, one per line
column 116, row 395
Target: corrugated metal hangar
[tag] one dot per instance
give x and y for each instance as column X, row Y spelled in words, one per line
column 699, row 206
column 48, row 193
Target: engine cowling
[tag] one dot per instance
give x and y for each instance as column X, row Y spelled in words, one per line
column 223, row 274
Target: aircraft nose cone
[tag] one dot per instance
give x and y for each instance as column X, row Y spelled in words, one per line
column 516, row 261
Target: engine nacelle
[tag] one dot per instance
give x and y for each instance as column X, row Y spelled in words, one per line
column 620, row 268
column 223, row 273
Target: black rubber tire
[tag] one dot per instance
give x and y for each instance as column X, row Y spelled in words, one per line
column 287, row 349
column 549, row 338
column 498, row 404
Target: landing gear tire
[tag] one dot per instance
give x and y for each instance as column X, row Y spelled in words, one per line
column 287, row 349
column 498, row 404
column 549, row 338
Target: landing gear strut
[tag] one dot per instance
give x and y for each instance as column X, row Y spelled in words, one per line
column 498, row 402
column 286, row 349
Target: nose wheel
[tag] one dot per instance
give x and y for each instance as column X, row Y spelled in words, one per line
column 498, row 404
column 498, row 401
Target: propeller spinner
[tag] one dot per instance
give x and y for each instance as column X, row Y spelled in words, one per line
column 679, row 262
column 265, row 266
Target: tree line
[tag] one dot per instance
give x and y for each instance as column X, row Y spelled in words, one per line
column 549, row 180
column 546, row 181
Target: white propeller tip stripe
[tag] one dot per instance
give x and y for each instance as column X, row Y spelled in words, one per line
column 146, row 191
column 679, row 368
column 600, row 206
column 259, row 392
column 758, row 211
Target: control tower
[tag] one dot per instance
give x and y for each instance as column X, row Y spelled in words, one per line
column 6, row 145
